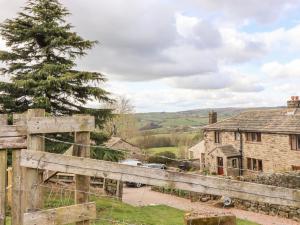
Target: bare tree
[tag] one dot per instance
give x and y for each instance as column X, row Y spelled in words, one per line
column 123, row 124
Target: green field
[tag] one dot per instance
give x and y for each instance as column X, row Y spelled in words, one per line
column 152, row 151
column 191, row 120
column 115, row 212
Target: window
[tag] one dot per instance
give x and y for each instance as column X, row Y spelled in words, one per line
column 249, row 164
column 260, row 165
column 253, row 136
column 295, row 142
column 217, row 137
column 234, row 163
column 236, row 136
column 295, row 167
column 254, row 164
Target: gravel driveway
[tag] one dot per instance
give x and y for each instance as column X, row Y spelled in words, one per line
column 144, row 196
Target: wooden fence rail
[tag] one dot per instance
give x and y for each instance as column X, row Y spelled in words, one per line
column 190, row 182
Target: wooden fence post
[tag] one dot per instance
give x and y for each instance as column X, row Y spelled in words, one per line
column 3, row 168
column 18, row 194
column 82, row 183
column 34, row 193
column 9, row 186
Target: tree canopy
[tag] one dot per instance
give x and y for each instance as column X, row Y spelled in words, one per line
column 41, row 64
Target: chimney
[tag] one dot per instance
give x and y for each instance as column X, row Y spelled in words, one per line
column 213, row 117
column 294, row 102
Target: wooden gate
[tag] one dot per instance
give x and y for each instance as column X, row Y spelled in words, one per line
column 27, row 199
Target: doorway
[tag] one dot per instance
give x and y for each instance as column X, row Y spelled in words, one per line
column 220, row 165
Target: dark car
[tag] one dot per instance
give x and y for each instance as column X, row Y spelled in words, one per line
column 185, row 166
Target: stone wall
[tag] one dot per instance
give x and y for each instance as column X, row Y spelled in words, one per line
column 288, row 180
column 274, row 150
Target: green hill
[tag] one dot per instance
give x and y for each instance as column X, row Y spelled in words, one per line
column 185, row 121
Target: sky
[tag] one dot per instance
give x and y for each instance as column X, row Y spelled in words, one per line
column 175, row 55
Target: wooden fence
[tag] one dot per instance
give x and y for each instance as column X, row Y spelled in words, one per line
column 29, row 164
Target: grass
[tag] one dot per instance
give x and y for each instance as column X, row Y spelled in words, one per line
column 153, row 151
column 110, row 210
column 245, row 222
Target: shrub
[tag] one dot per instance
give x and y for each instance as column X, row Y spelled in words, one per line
column 159, row 157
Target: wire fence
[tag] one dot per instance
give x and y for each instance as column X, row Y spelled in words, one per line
column 202, row 165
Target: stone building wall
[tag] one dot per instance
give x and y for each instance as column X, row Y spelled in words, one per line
column 227, row 138
column 274, row 150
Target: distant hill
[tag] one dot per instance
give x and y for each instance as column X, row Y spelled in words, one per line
column 184, row 121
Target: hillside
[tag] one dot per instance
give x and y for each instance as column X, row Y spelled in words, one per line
column 184, row 121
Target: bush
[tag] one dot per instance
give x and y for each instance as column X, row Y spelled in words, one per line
column 159, row 158
column 153, row 141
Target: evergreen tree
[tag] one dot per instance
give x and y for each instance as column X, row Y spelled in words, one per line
column 41, row 64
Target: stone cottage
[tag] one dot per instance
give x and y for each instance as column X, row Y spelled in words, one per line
column 120, row 144
column 254, row 141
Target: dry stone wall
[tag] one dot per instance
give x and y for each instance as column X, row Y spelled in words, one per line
column 288, row 180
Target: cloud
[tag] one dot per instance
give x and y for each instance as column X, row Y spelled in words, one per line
column 229, row 79
column 200, row 33
column 153, row 40
column 194, row 47
column 184, row 46
column 282, row 70
column 240, row 11
column 241, row 47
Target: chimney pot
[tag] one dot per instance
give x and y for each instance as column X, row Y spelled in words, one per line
column 212, row 117
column 294, row 102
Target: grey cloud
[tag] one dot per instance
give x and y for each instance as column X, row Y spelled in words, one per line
column 265, row 11
column 202, row 82
column 139, row 40
column 230, row 80
column 205, row 36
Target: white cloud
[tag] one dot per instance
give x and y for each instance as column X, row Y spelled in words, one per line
column 282, row 70
column 241, row 47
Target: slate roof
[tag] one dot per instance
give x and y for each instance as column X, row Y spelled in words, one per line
column 229, row 150
column 112, row 141
column 281, row 120
column 198, row 147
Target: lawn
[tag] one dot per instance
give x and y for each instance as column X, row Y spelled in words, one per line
column 152, row 151
column 115, row 212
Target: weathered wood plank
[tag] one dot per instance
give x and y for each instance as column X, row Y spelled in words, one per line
column 48, row 174
column 9, row 186
column 3, row 168
column 12, row 131
column 18, row 193
column 183, row 181
column 20, row 119
column 13, row 143
column 3, row 174
column 34, row 193
column 62, row 215
column 82, row 183
column 3, row 119
column 40, row 125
